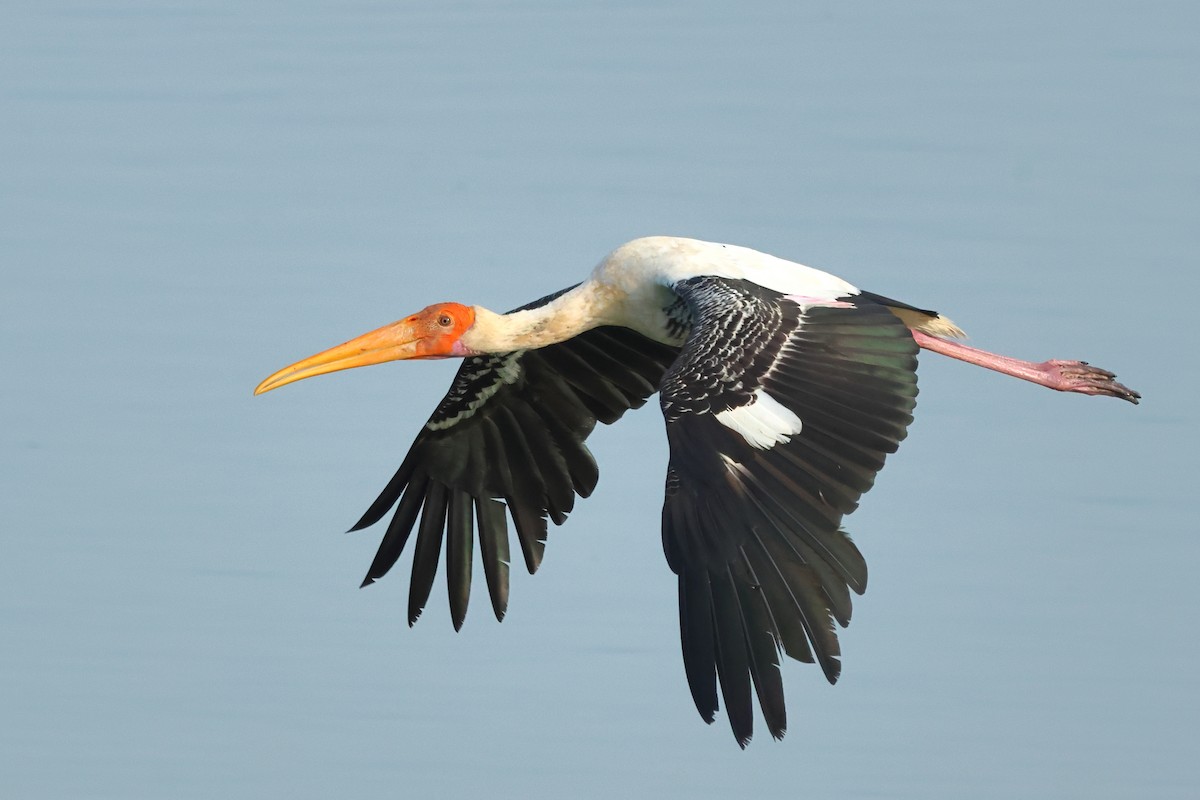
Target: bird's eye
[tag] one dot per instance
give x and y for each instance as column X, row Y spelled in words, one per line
column 445, row 321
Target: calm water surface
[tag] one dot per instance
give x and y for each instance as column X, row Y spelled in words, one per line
column 195, row 194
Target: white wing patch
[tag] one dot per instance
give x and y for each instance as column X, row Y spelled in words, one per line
column 763, row 423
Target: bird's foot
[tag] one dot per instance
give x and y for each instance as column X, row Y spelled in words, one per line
column 1082, row 377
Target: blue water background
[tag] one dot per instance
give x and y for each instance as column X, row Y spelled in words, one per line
column 193, row 194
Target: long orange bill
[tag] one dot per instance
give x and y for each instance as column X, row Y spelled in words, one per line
column 393, row 342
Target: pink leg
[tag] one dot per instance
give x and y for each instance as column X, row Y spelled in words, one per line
column 1064, row 376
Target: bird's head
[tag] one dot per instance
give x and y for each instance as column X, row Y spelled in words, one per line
column 433, row 332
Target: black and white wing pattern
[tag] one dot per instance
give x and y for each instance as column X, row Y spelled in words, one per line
column 779, row 414
column 509, row 433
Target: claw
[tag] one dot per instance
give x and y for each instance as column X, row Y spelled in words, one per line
column 1081, row 377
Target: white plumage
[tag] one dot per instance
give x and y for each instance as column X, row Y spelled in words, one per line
column 763, row 423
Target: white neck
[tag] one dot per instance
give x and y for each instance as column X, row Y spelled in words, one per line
column 587, row 306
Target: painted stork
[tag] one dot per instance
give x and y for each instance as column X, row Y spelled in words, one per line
column 783, row 388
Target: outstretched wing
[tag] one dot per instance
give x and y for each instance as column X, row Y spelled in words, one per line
column 510, row 432
column 780, row 411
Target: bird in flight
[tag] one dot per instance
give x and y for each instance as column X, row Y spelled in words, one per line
column 783, row 388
